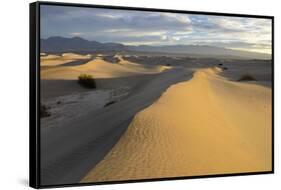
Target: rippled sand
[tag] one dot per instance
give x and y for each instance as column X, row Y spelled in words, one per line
column 207, row 125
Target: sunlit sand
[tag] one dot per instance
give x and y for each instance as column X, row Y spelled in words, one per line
column 97, row 67
column 208, row 125
column 56, row 60
column 199, row 119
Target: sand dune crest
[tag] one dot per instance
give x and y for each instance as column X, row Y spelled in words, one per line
column 207, row 125
column 100, row 68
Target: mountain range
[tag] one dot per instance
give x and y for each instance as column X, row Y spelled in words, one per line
column 77, row 44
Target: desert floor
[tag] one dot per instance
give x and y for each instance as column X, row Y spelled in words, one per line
column 170, row 117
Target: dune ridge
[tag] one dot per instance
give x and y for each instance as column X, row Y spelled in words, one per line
column 100, row 69
column 56, row 60
column 207, row 125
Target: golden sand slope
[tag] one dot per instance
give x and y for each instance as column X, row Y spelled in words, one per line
column 99, row 69
column 75, row 56
column 207, row 125
column 136, row 66
column 55, row 60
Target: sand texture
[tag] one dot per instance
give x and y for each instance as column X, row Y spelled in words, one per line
column 76, row 144
column 152, row 117
column 56, row 60
column 98, row 67
column 207, row 125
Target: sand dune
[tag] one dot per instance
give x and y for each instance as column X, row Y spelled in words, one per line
column 99, row 69
column 207, row 125
column 75, row 56
column 73, row 148
column 55, row 60
column 136, row 66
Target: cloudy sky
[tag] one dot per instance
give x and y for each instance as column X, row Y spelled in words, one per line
column 155, row 28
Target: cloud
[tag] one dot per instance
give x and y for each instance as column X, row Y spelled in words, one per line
column 76, row 33
column 156, row 28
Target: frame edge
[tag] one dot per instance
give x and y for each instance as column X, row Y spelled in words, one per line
column 33, row 111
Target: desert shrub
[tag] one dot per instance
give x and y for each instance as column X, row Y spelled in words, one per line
column 109, row 103
column 224, row 68
column 220, row 64
column 246, row 77
column 44, row 111
column 87, row 81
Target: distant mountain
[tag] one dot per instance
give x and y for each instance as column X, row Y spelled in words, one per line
column 202, row 50
column 77, row 44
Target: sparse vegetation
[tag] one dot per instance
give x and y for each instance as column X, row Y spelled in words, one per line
column 220, row 64
column 246, row 77
column 224, row 68
column 87, row 81
column 44, row 111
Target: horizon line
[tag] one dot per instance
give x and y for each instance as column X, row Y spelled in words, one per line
column 235, row 49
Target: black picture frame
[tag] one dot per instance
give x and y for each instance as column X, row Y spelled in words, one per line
column 34, row 98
